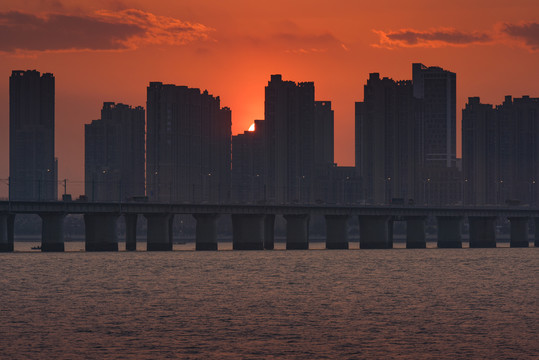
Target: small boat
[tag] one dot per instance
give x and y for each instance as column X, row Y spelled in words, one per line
column 36, row 247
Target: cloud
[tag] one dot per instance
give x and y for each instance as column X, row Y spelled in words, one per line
column 298, row 43
column 103, row 30
column 526, row 33
column 523, row 34
column 431, row 38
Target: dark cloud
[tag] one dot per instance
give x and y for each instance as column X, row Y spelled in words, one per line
column 528, row 33
column 104, row 30
column 432, row 38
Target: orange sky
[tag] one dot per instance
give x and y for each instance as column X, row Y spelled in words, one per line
column 109, row 50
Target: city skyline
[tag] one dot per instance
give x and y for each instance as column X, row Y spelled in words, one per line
column 425, row 104
column 231, row 52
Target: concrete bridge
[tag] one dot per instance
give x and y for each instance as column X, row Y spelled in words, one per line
column 253, row 225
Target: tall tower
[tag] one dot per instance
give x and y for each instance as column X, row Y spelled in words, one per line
column 290, row 164
column 188, row 145
column 436, row 88
column 32, row 166
column 518, row 159
column 114, row 153
column 480, row 149
column 386, row 139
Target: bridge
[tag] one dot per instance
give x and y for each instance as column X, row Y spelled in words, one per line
column 253, row 225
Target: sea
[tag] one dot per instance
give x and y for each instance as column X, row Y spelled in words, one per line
column 302, row 304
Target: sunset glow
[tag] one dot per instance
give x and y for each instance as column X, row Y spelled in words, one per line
column 109, row 51
column 252, row 127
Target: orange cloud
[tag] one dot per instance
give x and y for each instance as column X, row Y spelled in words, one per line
column 526, row 33
column 523, row 34
column 430, row 38
column 103, row 30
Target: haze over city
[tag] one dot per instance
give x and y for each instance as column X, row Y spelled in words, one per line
column 111, row 50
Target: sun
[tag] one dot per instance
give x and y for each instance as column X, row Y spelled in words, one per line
column 252, row 127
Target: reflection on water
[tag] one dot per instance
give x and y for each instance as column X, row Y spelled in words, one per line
column 439, row 303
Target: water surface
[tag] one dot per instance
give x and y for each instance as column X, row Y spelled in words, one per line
column 406, row 304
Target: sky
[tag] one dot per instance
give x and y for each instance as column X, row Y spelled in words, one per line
column 109, row 50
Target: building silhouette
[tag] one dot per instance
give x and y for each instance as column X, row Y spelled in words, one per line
column 480, row 153
column 114, row 154
column 248, row 165
column 500, row 151
column 406, row 139
column 299, row 142
column 188, row 145
column 289, row 116
column 518, row 121
column 436, row 88
column 387, row 140
column 33, row 169
column 439, row 180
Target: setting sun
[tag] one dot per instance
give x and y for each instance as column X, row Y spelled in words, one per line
column 252, row 127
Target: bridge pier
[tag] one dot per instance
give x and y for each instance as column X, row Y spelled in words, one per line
column 52, row 232
column 269, row 232
column 248, row 231
column 100, row 231
column 374, row 232
column 390, row 223
column 297, row 231
column 415, row 232
column 482, row 231
column 5, row 245
column 536, row 240
column 449, row 235
column 337, row 231
column 159, row 235
column 206, row 231
column 131, row 232
column 11, row 230
column 519, row 232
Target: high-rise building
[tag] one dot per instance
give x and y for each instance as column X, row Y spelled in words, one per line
column 324, row 166
column 114, row 154
column 406, row 138
column 518, row 156
column 323, row 135
column 33, row 168
column 248, row 165
column 479, row 153
column 188, row 145
column 386, row 140
column 290, row 139
column 500, row 151
column 438, row 176
column 436, row 88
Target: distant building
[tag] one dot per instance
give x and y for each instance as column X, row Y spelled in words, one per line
column 114, row 154
column 518, row 126
column 406, row 138
column 342, row 186
column 323, row 150
column 248, row 165
column 480, row 146
column 438, row 177
column 436, row 88
column 299, row 141
column 387, row 140
column 323, row 134
column 188, row 145
column 500, row 151
column 33, row 169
